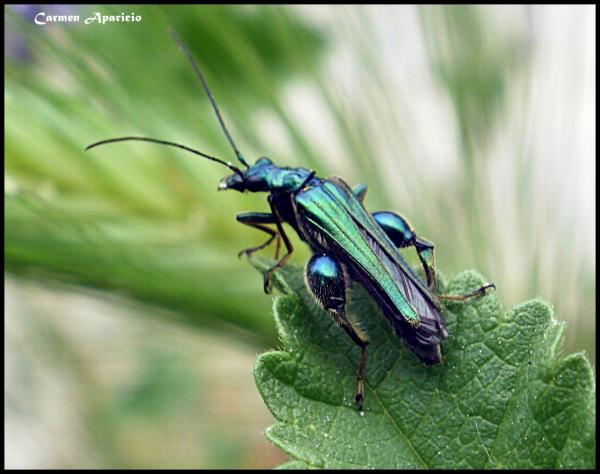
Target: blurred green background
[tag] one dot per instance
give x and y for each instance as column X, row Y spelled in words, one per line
column 131, row 327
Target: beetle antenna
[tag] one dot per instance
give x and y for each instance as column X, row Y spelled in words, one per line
column 215, row 107
column 164, row 142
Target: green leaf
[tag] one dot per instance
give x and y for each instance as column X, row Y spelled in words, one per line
column 501, row 399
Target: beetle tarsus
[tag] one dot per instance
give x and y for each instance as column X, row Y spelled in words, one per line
column 267, row 283
column 479, row 292
column 359, row 399
column 360, row 389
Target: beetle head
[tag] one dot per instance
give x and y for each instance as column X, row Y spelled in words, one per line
column 254, row 179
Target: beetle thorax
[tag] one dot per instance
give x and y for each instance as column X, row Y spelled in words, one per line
column 286, row 179
column 265, row 176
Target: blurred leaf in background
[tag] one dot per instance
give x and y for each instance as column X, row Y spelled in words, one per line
column 475, row 122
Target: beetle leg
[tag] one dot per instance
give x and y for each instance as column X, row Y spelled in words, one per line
column 277, row 246
column 360, row 190
column 288, row 246
column 425, row 252
column 257, row 220
column 484, row 290
column 402, row 235
column 327, row 283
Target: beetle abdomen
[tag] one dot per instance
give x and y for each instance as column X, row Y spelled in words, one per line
column 335, row 222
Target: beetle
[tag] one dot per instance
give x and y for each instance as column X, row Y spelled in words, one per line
column 348, row 244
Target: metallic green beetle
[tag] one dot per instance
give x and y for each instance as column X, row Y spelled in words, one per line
column 348, row 243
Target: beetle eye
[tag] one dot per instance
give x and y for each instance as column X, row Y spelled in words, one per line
column 255, row 182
